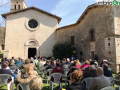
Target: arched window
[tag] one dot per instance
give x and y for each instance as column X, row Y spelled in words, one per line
column 92, row 35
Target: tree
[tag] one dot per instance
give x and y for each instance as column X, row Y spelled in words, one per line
column 61, row 50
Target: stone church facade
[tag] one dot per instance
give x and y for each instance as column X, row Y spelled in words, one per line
column 97, row 31
column 32, row 30
column 29, row 31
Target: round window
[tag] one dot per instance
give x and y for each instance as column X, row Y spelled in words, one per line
column 32, row 23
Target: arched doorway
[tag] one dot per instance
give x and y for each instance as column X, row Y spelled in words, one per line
column 31, row 48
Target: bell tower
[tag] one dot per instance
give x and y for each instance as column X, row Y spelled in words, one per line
column 17, row 5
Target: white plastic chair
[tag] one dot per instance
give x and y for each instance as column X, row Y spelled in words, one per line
column 65, row 75
column 48, row 77
column 88, row 82
column 69, row 80
column 43, row 71
column 4, row 78
column 108, row 88
column 56, row 77
column 40, row 66
column 23, row 86
column 112, row 80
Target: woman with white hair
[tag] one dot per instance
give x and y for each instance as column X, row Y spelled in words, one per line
column 68, row 62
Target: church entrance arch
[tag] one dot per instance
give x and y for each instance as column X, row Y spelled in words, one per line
column 31, row 48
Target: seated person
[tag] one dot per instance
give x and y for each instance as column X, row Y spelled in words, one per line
column 25, row 77
column 90, row 73
column 76, row 62
column 101, row 62
column 68, row 62
column 17, row 62
column 73, row 67
column 7, row 66
column 64, row 65
column 101, row 81
column 6, row 71
column 47, row 63
column 82, row 61
column 13, row 68
column 75, row 81
column 107, row 72
column 57, row 69
column 27, row 62
column 20, row 60
column 43, row 61
column 91, row 63
column 39, row 61
column 3, row 60
column 51, row 66
column 12, row 65
column 7, row 60
column 36, row 61
column 85, row 65
column 36, row 83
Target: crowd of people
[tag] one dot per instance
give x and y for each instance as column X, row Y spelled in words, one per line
column 24, row 71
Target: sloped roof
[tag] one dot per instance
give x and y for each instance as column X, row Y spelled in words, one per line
column 9, row 13
column 81, row 17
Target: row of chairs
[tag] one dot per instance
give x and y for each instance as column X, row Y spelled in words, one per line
column 56, row 76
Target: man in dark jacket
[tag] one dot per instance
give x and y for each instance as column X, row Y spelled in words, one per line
column 51, row 66
column 107, row 72
column 90, row 73
column 96, row 58
column 7, row 60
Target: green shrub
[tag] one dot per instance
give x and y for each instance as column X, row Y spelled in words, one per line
column 62, row 50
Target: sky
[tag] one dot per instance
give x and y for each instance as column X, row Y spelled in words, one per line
column 68, row 10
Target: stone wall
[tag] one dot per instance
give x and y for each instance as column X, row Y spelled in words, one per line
column 100, row 19
column 117, row 34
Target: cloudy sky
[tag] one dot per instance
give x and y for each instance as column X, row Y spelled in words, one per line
column 68, row 10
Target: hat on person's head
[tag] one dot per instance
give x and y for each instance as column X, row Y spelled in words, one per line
column 105, row 60
column 95, row 63
column 68, row 59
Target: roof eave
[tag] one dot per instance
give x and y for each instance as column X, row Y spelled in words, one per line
column 5, row 14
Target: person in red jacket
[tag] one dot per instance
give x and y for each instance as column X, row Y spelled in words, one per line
column 57, row 69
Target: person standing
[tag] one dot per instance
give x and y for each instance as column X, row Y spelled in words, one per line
column 72, row 58
column 96, row 58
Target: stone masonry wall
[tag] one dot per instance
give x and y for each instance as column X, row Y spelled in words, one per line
column 101, row 20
